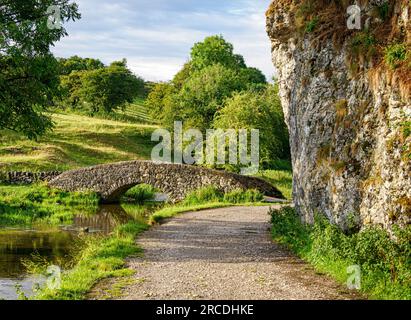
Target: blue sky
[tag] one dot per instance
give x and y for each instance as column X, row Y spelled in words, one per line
column 155, row 36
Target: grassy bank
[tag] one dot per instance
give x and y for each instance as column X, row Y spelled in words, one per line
column 75, row 142
column 385, row 264
column 38, row 204
column 98, row 258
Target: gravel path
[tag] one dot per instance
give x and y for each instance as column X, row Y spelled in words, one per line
column 223, row 254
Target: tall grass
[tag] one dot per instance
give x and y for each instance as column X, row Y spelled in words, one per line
column 385, row 263
column 140, row 193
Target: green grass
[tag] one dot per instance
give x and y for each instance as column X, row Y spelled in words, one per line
column 281, row 179
column 98, row 258
column 140, row 193
column 75, row 142
column 208, row 198
column 25, row 205
column 137, row 111
column 385, row 264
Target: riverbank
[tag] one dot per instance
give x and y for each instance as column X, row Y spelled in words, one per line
column 38, row 204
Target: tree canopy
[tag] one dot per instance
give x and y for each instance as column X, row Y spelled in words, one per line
column 28, row 71
column 93, row 87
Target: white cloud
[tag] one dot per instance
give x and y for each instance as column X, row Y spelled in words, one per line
column 155, row 36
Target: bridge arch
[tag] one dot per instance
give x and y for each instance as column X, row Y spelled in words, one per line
column 112, row 180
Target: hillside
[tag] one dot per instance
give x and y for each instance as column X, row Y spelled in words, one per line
column 76, row 141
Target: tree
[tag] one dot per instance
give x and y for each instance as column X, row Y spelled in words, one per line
column 156, row 101
column 202, row 95
column 258, row 110
column 75, row 63
column 28, row 71
column 213, row 50
column 109, row 88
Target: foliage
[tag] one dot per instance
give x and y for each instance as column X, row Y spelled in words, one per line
column 385, row 263
column 211, row 194
column 258, row 110
column 76, row 63
column 215, row 50
column 141, row 193
column 395, row 54
column 28, row 71
column 202, row 95
column 213, row 74
column 241, row 196
column 39, row 204
column 103, row 89
column 206, row 194
column 158, row 99
column 311, row 25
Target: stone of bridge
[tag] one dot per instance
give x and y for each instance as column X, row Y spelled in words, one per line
column 111, row 181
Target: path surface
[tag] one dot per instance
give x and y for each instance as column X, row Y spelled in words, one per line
column 223, row 253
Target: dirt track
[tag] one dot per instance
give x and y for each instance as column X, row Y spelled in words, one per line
column 223, row 253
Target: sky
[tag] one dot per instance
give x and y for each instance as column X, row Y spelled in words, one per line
column 155, row 36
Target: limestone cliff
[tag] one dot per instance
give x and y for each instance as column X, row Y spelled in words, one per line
column 348, row 108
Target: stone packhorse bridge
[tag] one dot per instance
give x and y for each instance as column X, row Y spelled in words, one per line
column 111, row 181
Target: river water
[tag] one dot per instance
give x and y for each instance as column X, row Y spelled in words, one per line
column 53, row 244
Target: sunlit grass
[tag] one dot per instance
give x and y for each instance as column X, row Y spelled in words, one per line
column 281, row 179
column 38, row 204
column 75, row 142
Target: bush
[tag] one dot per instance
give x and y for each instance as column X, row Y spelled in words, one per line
column 385, row 263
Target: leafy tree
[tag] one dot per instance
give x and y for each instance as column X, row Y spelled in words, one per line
column 77, row 63
column 213, row 50
column 253, row 76
column 157, row 99
column 258, row 110
column 28, row 71
column 202, row 95
column 110, row 88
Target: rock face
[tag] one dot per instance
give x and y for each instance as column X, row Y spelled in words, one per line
column 111, row 181
column 349, row 158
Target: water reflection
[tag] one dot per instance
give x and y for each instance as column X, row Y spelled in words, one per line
column 104, row 221
column 54, row 244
